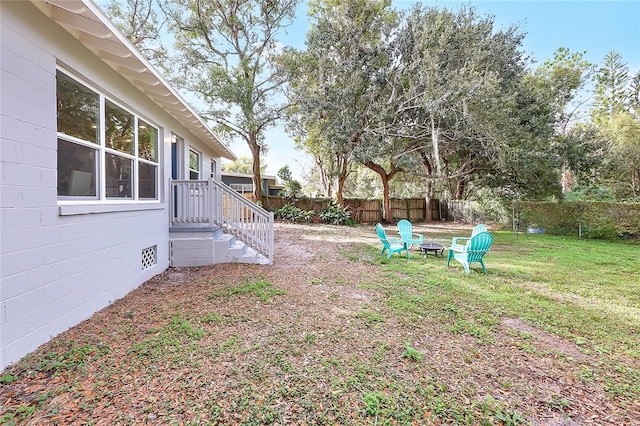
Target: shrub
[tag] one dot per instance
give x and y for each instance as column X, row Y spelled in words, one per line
column 292, row 190
column 293, row 214
column 336, row 215
column 590, row 193
column 588, row 219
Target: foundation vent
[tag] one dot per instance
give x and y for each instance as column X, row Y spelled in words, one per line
column 149, row 257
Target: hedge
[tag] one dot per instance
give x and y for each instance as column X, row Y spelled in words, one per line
column 587, row 219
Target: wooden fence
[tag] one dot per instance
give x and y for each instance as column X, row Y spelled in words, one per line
column 366, row 210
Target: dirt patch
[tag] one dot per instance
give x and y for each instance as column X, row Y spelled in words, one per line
column 191, row 346
column 547, row 341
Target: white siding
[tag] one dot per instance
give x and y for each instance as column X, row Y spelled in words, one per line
column 55, row 270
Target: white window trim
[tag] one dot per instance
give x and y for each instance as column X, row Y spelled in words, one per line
column 78, row 208
column 70, row 205
column 199, row 154
column 213, row 164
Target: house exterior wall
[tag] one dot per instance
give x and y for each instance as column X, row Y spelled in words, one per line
column 268, row 185
column 62, row 262
column 239, row 180
column 205, row 159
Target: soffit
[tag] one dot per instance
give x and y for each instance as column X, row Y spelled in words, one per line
column 86, row 22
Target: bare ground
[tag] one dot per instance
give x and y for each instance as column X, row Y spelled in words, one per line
column 303, row 357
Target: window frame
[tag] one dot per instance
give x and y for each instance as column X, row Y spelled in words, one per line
column 214, row 167
column 197, row 171
column 102, row 151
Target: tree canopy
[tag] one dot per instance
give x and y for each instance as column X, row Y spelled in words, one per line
column 437, row 93
column 437, row 98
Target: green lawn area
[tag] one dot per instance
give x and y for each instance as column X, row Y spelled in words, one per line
column 549, row 336
column 586, row 291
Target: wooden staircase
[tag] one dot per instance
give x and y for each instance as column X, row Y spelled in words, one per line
column 201, row 246
column 211, row 223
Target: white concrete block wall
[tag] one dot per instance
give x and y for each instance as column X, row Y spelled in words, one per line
column 24, row 71
column 192, row 252
column 56, row 271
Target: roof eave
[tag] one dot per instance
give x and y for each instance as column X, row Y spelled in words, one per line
column 87, row 23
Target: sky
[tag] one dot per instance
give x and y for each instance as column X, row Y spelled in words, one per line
column 596, row 27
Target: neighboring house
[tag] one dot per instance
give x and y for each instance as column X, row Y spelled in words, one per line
column 243, row 183
column 107, row 177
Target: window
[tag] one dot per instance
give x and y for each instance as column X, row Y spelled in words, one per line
column 194, row 165
column 105, row 152
column 243, row 188
column 147, row 160
column 77, row 169
column 213, row 169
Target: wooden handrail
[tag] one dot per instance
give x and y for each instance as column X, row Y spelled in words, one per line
column 213, row 203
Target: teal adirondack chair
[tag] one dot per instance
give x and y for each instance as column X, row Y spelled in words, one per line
column 458, row 243
column 405, row 229
column 392, row 245
column 473, row 251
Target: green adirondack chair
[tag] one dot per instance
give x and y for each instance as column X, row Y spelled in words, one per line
column 392, row 245
column 405, row 229
column 473, row 251
column 458, row 243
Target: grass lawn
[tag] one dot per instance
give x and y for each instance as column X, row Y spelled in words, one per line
column 333, row 333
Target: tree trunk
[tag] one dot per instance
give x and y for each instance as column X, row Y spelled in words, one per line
column 339, row 190
column 386, row 202
column 429, row 185
column 256, row 178
column 436, row 144
column 325, row 180
column 427, row 199
column 342, row 178
column 386, row 178
column 460, row 187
